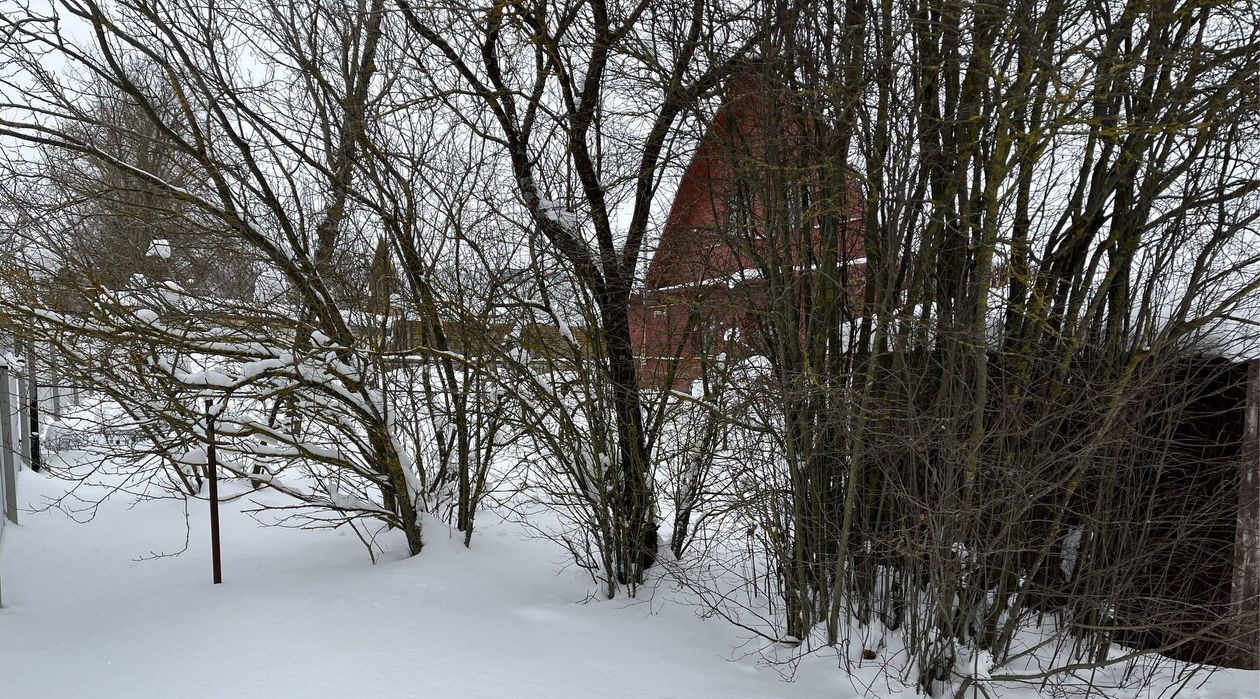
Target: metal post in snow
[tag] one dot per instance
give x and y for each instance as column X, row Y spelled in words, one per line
column 213, row 468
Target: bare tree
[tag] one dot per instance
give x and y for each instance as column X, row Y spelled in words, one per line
column 583, row 98
column 270, row 177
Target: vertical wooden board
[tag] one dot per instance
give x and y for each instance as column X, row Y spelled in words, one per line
column 1246, row 583
column 54, row 391
column 6, row 458
column 32, row 409
column 8, row 448
column 6, row 426
column 23, row 436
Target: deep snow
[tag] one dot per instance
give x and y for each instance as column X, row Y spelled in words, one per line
column 304, row 614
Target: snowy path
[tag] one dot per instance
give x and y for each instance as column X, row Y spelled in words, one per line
column 303, row 614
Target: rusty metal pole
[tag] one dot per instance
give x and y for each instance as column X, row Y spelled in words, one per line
column 213, row 475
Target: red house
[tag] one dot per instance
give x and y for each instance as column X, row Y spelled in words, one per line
column 748, row 206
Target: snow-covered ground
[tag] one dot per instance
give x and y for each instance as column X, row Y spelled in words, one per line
column 304, row 614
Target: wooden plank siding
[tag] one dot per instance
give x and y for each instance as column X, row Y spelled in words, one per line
column 1245, row 588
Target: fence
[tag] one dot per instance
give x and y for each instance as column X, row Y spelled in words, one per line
column 22, row 400
column 10, row 436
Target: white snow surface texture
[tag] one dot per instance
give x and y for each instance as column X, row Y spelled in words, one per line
column 304, row 614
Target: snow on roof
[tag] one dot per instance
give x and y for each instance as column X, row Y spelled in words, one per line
column 748, row 274
column 1234, row 335
column 160, row 248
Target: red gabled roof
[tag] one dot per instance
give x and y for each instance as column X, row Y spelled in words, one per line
column 690, row 248
column 693, row 249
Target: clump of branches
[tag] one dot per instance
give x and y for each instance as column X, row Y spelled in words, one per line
column 294, row 183
column 994, row 310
